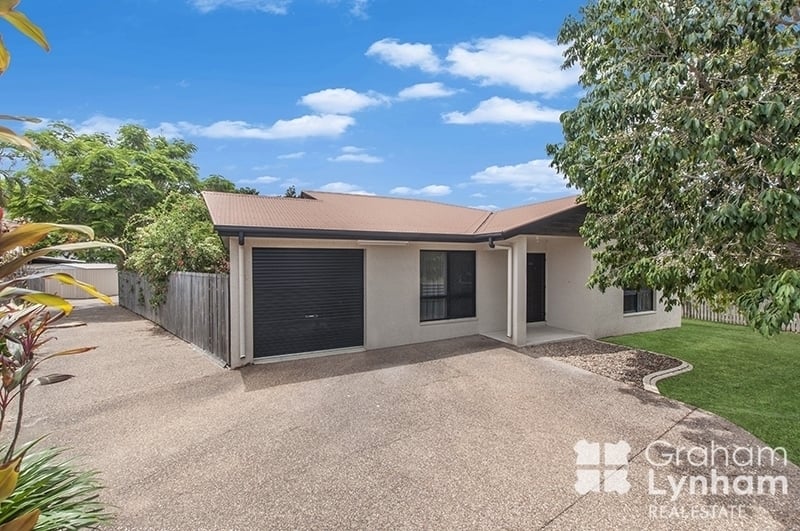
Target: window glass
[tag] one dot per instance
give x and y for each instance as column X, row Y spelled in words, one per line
column 447, row 285
column 461, row 284
column 637, row 300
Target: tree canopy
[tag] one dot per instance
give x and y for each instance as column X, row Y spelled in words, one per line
column 218, row 183
column 686, row 147
column 96, row 180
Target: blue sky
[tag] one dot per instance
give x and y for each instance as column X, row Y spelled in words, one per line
column 447, row 100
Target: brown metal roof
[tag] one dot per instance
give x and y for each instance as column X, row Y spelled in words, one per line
column 513, row 218
column 363, row 216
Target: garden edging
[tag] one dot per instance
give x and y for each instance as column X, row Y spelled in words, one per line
column 650, row 380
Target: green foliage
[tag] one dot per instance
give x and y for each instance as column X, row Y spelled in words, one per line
column 98, row 181
column 290, row 192
column 218, row 183
column 686, row 146
column 66, row 497
column 175, row 235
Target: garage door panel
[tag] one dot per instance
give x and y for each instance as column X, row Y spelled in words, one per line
column 307, row 299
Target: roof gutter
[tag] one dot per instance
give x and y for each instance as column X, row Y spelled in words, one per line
column 326, row 234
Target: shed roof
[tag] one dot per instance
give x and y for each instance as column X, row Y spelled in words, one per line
column 325, row 214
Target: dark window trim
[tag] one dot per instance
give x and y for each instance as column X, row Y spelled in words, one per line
column 640, row 306
column 448, row 297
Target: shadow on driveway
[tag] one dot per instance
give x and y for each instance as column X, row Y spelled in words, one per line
column 264, row 376
column 97, row 312
column 648, row 398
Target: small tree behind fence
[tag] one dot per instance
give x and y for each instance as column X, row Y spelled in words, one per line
column 703, row 312
column 196, row 307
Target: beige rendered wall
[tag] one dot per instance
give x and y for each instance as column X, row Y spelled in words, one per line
column 391, row 297
column 570, row 305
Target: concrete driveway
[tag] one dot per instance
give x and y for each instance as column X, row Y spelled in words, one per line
column 455, row 434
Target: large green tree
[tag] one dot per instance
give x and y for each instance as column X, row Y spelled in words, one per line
column 100, row 181
column 686, row 147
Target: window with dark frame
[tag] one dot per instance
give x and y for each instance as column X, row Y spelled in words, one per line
column 446, row 285
column 638, row 300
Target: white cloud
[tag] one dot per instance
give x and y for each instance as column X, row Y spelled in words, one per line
column 534, row 176
column 357, row 157
column 478, row 195
column 344, row 188
column 109, row 125
column 100, row 123
column 355, row 154
column 313, row 125
column 290, row 156
column 530, row 64
column 504, row 111
column 358, row 8
column 431, row 190
column 266, row 179
column 316, row 125
column 43, row 123
column 341, row 101
column 275, row 7
column 405, row 54
column 425, row 90
column 486, row 207
column 165, row 129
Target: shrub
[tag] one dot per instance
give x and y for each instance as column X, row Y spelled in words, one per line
column 175, row 235
column 66, row 498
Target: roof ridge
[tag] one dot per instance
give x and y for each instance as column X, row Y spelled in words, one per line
column 257, row 197
column 489, row 215
column 537, row 203
column 415, row 199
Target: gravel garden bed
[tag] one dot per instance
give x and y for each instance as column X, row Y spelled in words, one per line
column 612, row 361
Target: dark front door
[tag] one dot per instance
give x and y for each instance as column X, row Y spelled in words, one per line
column 535, row 287
column 306, row 300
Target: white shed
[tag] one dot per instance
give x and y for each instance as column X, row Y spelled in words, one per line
column 101, row 276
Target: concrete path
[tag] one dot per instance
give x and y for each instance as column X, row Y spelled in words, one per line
column 459, row 434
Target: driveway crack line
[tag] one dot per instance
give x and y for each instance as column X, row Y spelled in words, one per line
column 637, row 454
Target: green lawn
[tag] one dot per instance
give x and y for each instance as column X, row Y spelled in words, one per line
column 738, row 374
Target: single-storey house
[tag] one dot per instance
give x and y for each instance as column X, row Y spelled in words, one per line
column 329, row 272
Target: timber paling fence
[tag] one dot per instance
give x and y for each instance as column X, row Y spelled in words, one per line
column 196, row 308
column 703, row 312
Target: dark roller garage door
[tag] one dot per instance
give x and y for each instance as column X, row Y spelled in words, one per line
column 306, row 300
